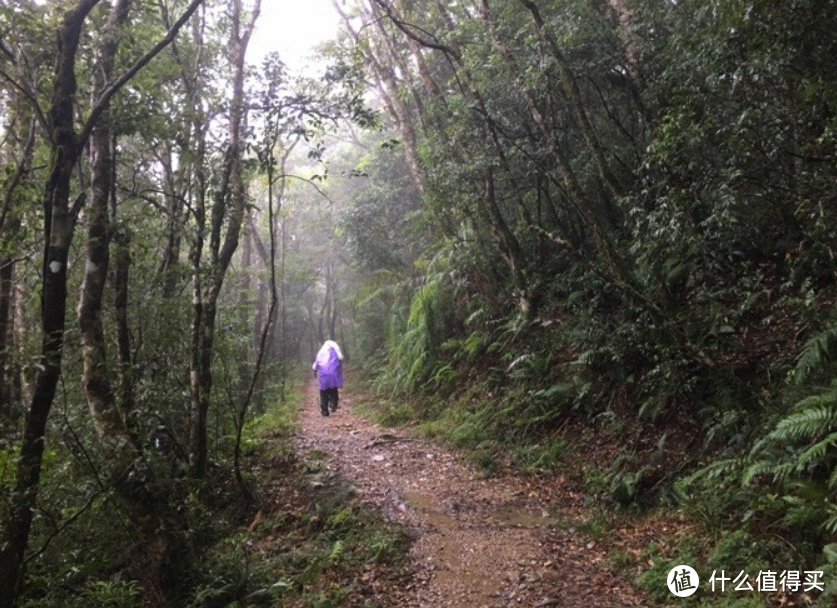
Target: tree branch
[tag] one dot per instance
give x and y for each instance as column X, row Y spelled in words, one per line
column 20, row 170
column 111, row 90
column 408, row 27
column 30, row 97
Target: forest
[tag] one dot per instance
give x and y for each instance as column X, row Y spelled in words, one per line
column 583, row 236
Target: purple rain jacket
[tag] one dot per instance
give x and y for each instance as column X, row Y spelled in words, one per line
column 329, row 365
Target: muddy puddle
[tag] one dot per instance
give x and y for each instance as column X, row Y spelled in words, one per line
column 523, row 517
column 430, row 513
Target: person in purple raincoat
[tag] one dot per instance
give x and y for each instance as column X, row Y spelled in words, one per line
column 328, row 367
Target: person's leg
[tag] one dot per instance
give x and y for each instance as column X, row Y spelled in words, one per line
column 336, row 398
column 324, row 402
column 332, row 399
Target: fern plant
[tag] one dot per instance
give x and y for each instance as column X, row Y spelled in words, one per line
column 800, row 452
column 788, row 476
column 817, row 355
column 812, row 425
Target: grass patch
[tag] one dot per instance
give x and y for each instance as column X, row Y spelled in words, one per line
column 325, row 549
column 487, row 432
column 596, row 526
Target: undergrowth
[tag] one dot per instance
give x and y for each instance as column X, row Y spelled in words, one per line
column 770, row 509
column 699, row 403
column 309, row 545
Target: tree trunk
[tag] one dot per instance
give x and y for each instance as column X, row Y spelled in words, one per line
column 122, row 264
column 20, row 138
column 245, row 306
column 7, row 397
column 228, row 207
column 169, row 265
column 59, row 222
column 95, row 380
column 133, row 481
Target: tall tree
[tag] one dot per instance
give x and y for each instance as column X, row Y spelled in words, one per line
column 228, row 209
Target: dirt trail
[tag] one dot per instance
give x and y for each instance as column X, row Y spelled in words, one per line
column 479, row 542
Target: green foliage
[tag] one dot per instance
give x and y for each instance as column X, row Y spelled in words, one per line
column 392, row 412
column 225, row 576
column 545, row 455
column 114, row 593
column 7, row 469
column 310, row 544
column 383, row 222
column 657, row 566
column 279, row 418
column 415, row 357
column 828, row 566
column 807, row 436
column 740, row 550
column 783, row 485
column 669, row 296
column 645, row 246
column 733, row 601
column 817, row 356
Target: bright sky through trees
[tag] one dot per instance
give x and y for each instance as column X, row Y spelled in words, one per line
column 293, row 28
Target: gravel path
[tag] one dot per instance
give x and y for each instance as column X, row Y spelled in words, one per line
column 479, row 542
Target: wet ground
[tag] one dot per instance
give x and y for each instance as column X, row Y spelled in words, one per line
column 479, row 542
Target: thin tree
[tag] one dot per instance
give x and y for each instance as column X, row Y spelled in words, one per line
column 228, row 207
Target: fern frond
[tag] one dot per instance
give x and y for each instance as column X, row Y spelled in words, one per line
column 336, row 552
column 729, row 467
column 380, row 283
column 818, row 352
column 521, row 359
column 815, row 416
column 780, row 472
column 473, row 343
column 476, row 316
column 760, row 445
column 783, row 471
column 830, row 524
column 762, row 467
column 815, row 453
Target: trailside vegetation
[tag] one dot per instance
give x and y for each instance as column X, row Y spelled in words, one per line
column 629, row 208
